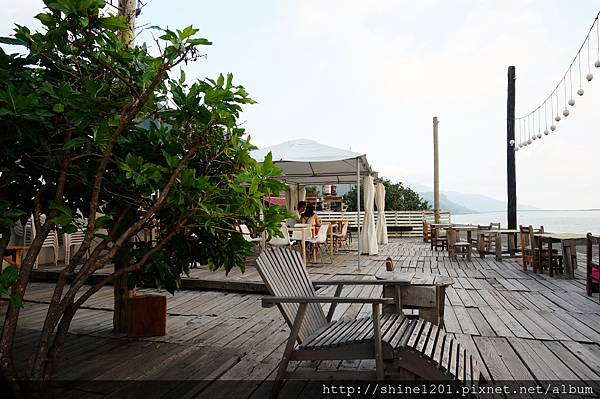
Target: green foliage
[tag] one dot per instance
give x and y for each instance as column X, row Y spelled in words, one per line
column 7, row 278
column 78, row 94
column 397, row 198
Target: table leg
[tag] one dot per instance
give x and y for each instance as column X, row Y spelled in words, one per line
column 480, row 249
column 498, row 246
column 469, row 246
column 331, row 241
column 537, row 263
column 567, row 264
column 440, row 296
column 18, row 257
column 512, row 244
column 550, row 268
column 303, row 246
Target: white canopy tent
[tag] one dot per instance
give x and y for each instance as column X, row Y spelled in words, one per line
column 307, row 162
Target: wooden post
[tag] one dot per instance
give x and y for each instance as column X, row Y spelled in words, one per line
column 128, row 9
column 121, row 291
column 358, row 210
column 436, row 172
column 510, row 151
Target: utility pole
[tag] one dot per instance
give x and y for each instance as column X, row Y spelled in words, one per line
column 122, row 293
column 511, row 178
column 128, row 9
column 436, row 172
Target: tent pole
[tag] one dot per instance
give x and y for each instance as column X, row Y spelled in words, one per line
column 358, row 206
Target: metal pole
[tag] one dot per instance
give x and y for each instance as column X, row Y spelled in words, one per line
column 436, row 172
column 358, row 206
column 510, row 151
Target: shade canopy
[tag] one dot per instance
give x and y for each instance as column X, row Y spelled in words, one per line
column 307, row 162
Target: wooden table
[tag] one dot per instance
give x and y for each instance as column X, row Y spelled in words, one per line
column 468, row 228
column 13, row 254
column 496, row 235
column 426, row 292
column 306, row 233
column 568, row 242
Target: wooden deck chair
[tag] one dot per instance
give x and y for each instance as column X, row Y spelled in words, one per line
column 401, row 348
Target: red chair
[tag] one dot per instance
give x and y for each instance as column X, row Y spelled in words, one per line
column 593, row 267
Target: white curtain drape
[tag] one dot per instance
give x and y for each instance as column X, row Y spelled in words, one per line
column 301, row 193
column 382, row 236
column 368, row 232
column 291, row 197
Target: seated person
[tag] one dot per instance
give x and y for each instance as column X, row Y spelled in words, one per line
column 297, row 214
column 310, row 217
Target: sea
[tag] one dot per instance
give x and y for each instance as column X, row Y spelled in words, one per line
column 555, row 221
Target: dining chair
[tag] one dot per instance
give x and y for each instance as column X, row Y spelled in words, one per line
column 319, row 240
column 282, row 241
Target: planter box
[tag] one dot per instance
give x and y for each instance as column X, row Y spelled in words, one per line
column 147, row 316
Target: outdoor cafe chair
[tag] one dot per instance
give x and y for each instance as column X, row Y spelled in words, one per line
column 316, row 243
column 400, row 347
column 282, row 241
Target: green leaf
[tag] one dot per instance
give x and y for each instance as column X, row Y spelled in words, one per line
column 58, row 108
column 16, row 302
column 12, row 40
column 76, row 143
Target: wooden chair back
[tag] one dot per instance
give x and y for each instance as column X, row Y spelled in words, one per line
column 495, row 226
column 593, row 266
column 284, row 274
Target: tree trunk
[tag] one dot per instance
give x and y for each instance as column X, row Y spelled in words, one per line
column 121, row 294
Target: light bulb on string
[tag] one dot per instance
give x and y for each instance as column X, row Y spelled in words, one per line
column 546, row 132
column 571, row 100
column 589, row 76
column 580, row 91
column 533, row 122
column 597, row 63
column 539, row 134
column 565, row 111
column 557, row 117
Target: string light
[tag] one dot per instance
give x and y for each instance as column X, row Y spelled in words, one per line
column 527, row 131
column 580, row 91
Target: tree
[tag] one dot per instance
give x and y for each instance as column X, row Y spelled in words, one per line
column 102, row 138
column 311, row 191
column 397, row 198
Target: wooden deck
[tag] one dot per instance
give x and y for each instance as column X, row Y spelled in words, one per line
column 520, row 325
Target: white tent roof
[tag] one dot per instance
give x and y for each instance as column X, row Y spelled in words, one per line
column 307, row 162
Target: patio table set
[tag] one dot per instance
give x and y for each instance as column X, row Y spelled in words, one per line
column 535, row 245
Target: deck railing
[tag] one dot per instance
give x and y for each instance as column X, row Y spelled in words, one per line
column 396, row 221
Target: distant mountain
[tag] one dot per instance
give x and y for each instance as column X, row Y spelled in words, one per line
column 472, row 203
column 446, row 204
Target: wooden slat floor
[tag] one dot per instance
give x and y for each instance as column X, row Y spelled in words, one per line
column 519, row 325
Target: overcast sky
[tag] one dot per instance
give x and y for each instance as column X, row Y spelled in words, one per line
column 370, row 75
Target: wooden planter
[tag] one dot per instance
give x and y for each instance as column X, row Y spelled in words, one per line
column 147, row 316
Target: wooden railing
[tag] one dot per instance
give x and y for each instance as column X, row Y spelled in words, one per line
column 397, row 221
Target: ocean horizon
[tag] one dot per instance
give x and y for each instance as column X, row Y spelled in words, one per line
column 554, row 220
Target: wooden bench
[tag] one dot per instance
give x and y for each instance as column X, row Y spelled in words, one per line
column 401, row 348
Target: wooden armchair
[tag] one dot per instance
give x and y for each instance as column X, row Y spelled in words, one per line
column 593, row 267
column 438, row 238
column 426, row 232
column 530, row 252
column 399, row 346
column 457, row 247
